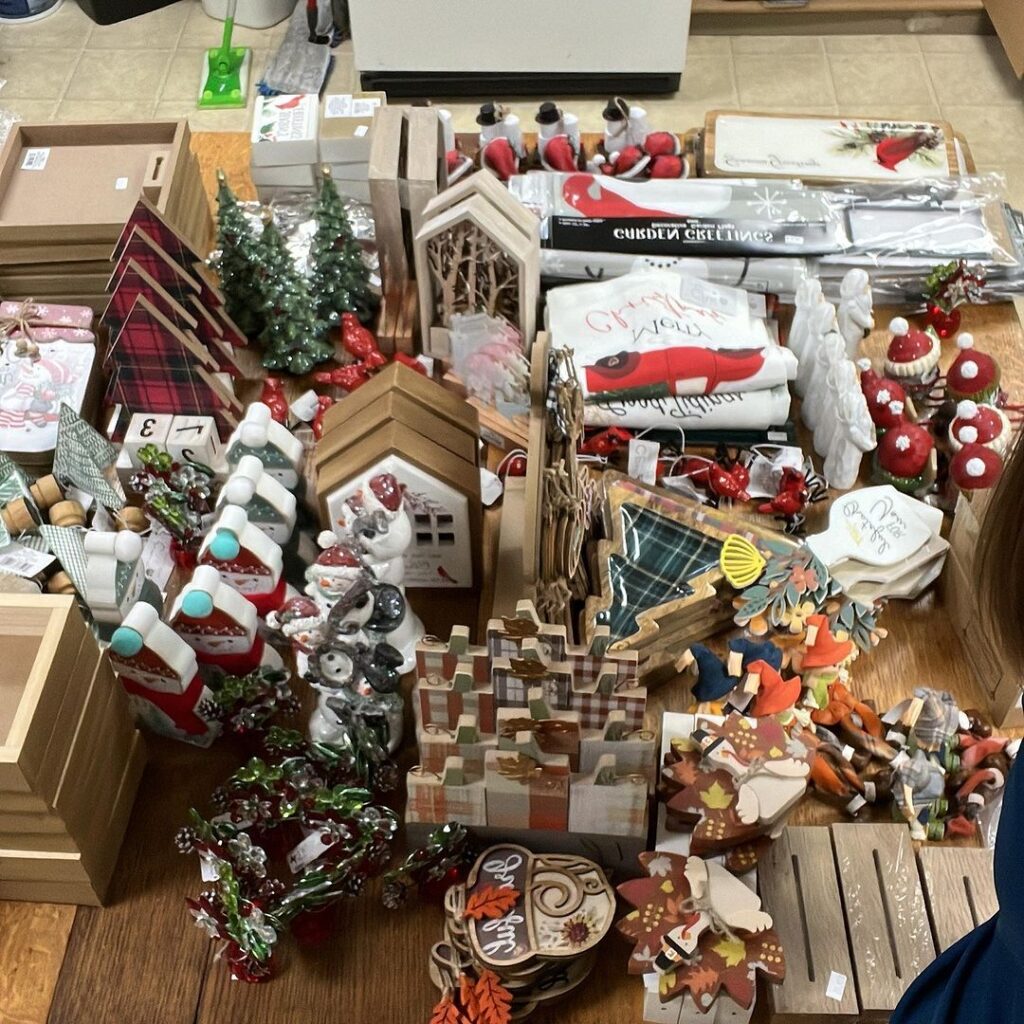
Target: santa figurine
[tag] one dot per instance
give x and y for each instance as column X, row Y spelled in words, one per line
column 221, row 626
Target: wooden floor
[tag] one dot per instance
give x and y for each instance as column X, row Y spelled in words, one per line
column 142, row 961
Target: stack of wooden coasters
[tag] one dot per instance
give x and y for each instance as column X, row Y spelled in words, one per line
column 70, row 758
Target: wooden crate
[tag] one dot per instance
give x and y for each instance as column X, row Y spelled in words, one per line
column 959, row 889
column 800, row 889
column 887, row 920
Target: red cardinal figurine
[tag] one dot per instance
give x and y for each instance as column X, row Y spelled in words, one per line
column 360, row 342
column 323, row 403
column 412, row 362
column 272, row 396
column 606, row 442
column 346, row 377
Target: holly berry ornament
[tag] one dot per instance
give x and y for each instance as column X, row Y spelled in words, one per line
column 979, row 424
column 905, row 458
column 974, row 375
column 948, row 287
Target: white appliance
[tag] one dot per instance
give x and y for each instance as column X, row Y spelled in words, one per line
column 485, row 47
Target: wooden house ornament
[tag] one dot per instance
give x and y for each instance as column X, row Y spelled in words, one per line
column 476, row 254
column 406, row 425
column 220, row 625
column 115, row 578
column 160, row 674
column 274, row 445
column 246, row 558
column 269, row 505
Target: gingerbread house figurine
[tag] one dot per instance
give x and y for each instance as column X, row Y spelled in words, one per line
column 221, row 626
column 246, row 558
column 115, row 578
column 160, row 674
column 261, row 435
column 267, row 502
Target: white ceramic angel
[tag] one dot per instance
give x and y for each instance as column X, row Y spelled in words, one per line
column 829, row 353
column 841, row 378
column 821, row 320
column 856, row 308
column 854, row 437
column 808, row 296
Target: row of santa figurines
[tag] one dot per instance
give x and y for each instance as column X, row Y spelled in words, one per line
column 351, row 630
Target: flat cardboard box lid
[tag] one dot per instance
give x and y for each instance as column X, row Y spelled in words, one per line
column 80, row 182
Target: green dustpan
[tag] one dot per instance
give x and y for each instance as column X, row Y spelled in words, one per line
column 225, row 70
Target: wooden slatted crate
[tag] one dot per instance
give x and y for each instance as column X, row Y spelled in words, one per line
column 959, row 889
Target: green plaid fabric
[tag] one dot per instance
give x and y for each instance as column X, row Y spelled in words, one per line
column 659, row 557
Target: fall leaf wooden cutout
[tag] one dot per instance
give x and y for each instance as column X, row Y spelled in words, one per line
column 490, row 902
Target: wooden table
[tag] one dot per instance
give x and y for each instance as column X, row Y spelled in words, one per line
column 142, row 960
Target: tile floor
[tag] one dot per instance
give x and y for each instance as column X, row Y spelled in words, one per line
column 67, row 68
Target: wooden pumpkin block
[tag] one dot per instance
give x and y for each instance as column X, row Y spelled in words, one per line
column 437, row 744
column 526, row 789
column 890, row 937
column 800, row 889
column 436, row 798
column 959, row 889
column 609, row 800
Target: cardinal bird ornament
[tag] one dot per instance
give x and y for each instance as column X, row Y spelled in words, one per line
column 360, row 343
column 891, row 152
column 272, row 396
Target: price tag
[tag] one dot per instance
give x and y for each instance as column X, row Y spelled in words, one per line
column 643, row 460
column 307, row 851
column 157, row 558
column 120, row 184
column 35, row 159
column 23, row 561
column 836, row 986
column 360, row 130
column 208, row 869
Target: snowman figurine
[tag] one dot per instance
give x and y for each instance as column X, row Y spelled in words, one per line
column 300, row 621
column 381, row 527
column 357, row 676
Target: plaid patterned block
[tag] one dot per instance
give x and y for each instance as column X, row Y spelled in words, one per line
column 549, row 641
column 432, row 802
column 160, row 266
column 524, row 794
column 146, row 217
column 440, row 705
column 594, row 709
column 132, row 284
column 636, row 753
column 616, row 809
column 436, row 745
column 588, row 668
column 558, row 735
column 437, row 661
column 179, row 392
column 511, row 685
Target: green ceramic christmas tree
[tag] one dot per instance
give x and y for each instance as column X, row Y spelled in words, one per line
column 292, row 336
column 236, row 264
column 340, row 278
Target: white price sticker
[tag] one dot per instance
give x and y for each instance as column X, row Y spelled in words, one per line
column 35, row 159
column 643, row 460
column 836, row 986
column 307, row 851
column 208, row 869
column 23, row 561
column 157, row 558
column 120, row 184
column 360, row 130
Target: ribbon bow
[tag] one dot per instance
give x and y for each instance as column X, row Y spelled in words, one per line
column 20, row 322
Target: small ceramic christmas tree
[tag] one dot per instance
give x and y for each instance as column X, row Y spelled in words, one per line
column 341, row 279
column 292, row 335
column 237, row 264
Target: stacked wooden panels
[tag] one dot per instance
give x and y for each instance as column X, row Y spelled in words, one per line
column 66, row 191
column 70, row 758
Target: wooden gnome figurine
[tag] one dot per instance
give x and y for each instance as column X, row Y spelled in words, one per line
column 269, row 505
column 160, row 674
column 115, row 578
column 856, row 307
column 220, row 626
column 246, row 558
column 261, row 435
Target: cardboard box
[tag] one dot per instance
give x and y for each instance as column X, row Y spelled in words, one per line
column 284, row 130
column 77, row 183
column 357, row 189
column 346, row 126
column 292, row 176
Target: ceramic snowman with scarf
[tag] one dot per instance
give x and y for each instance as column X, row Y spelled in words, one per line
column 221, row 626
column 380, row 526
column 160, row 673
column 247, row 559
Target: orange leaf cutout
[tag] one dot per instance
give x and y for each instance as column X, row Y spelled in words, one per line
column 467, row 996
column 446, row 1012
column 495, row 1000
column 490, row 902
column 700, row 980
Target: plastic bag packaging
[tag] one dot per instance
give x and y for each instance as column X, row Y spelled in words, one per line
column 294, row 217
column 8, row 118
